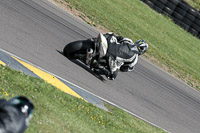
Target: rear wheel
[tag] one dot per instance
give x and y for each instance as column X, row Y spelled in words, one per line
column 77, row 49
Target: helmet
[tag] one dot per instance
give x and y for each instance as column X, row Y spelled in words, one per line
column 142, row 46
column 22, row 104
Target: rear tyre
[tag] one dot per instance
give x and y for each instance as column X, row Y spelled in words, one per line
column 77, row 47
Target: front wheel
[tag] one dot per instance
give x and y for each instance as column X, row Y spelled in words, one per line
column 77, row 49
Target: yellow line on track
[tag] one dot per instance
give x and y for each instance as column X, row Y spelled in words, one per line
column 50, row 79
column 2, row 63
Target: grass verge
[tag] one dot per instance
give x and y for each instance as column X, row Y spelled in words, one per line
column 171, row 48
column 57, row 112
column 194, row 3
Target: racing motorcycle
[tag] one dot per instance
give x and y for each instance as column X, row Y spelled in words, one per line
column 92, row 52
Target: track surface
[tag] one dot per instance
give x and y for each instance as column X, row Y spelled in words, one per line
column 37, row 31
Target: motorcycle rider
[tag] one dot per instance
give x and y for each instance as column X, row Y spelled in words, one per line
column 122, row 54
column 15, row 114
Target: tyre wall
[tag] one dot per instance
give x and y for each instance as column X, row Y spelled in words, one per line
column 181, row 13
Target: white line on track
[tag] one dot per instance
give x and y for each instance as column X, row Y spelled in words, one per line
column 88, row 92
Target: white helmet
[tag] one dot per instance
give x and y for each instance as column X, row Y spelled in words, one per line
column 142, row 46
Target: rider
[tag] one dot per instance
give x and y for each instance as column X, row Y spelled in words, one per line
column 15, row 114
column 122, row 54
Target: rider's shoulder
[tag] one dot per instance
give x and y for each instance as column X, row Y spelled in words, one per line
column 128, row 40
column 109, row 34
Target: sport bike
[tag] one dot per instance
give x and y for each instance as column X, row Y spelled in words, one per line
column 92, row 52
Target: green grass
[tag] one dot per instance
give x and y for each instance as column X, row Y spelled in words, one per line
column 169, row 45
column 194, row 3
column 57, row 112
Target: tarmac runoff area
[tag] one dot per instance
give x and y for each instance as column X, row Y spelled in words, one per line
column 14, row 62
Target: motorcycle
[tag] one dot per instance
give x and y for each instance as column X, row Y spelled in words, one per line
column 91, row 52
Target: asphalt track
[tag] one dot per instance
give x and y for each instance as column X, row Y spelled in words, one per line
column 14, row 62
column 37, row 31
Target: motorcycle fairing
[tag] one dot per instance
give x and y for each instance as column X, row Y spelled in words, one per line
column 103, row 45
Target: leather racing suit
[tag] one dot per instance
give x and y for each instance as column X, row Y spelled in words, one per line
column 11, row 119
column 122, row 54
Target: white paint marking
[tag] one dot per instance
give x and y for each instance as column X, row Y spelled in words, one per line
column 89, row 92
